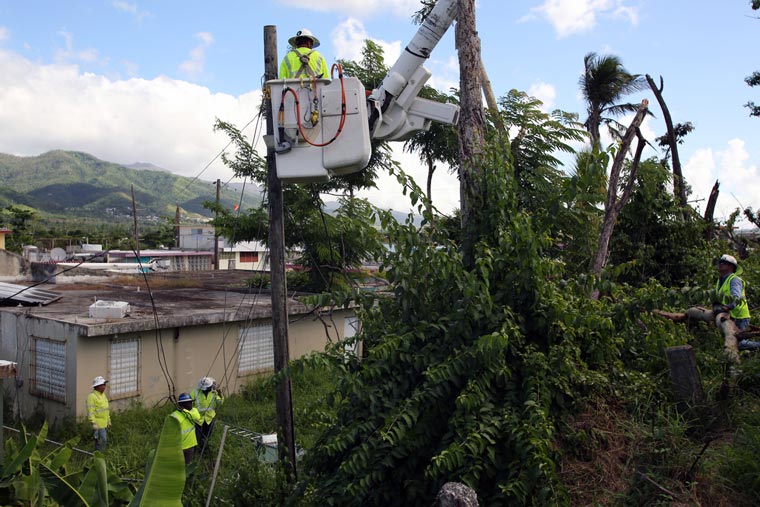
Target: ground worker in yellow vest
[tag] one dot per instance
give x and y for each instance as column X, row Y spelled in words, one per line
column 303, row 61
column 208, row 397
column 730, row 293
column 98, row 413
column 188, row 417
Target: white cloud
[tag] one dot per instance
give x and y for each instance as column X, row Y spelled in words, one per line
column 5, row 34
column 130, row 8
column 389, row 193
column 46, row 107
column 360, row 8
column 70, row 54
column 739, row 178
column 569, row 17
column 544, row 92
column 194, row 66
column 348, row 40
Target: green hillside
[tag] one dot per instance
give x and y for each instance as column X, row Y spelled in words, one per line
column 77, row 184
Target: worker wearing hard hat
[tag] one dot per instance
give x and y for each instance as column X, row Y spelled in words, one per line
column 188, row 417
column 303, row 61
column 208, row 397
column 730, row 293
column 98, row 413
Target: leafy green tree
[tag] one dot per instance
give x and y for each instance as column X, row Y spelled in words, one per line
column 652, row 236
column 19, row 220
column 603, row 84
column 328, row 244
column 753, row 80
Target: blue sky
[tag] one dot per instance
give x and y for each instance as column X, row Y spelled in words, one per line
column 144, row 81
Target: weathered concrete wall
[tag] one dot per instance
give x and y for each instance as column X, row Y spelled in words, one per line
column 188, row 353
column 12, row 264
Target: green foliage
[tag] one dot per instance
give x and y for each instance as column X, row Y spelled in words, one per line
column 652, row 234
column 77, row 184
column 165, row 471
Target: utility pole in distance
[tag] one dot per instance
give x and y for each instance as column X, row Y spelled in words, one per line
column 216, row 232
column 286, row 435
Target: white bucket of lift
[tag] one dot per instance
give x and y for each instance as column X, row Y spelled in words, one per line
column 310, row 152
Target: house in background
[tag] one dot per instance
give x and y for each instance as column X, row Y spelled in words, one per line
column 166, row 260
column 247, row 255
column 3, row 233
column 149, row 344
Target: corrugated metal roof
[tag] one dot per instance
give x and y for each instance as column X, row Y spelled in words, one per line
column 12, row 294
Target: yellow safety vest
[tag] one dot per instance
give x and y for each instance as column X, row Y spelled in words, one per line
column 207, row 404
column 741, row 310
column 97, row 409
column 294, row 65
column 187, row 421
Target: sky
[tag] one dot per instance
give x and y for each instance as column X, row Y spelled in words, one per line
column 145, row 81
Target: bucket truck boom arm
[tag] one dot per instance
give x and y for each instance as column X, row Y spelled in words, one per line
column 395, row 110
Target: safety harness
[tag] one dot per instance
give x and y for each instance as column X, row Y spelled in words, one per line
column 305, row 67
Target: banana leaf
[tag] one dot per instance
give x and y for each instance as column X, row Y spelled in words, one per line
column 60, row 490
column 94, row 485
column 165, row 471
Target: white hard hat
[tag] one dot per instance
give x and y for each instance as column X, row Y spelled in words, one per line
column 729, row 259
column 303, row 32
column 98, row 381
column 206, row 382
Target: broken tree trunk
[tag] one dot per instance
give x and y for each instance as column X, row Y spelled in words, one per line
column 679, row 186
column 710, row 210
column 722, row 321
column 614, row 203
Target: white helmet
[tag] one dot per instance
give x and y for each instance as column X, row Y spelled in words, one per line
column 206, row 383
column 98, row 381
column 730, row 259
column 303, row 32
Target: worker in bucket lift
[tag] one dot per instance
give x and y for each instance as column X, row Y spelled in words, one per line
column 98, row 413
column 303, row 61
column 208, row 397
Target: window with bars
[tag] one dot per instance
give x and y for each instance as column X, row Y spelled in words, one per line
column 256, row 349
column 124, row 368
column 48, row 369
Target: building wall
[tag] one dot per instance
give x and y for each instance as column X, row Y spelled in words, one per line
column 189, row 353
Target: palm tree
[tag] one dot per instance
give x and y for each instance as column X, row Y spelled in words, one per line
column 604, row 82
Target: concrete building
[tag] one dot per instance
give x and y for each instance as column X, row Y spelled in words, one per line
column 247, row 255
column 149, row 344
column 3, row 233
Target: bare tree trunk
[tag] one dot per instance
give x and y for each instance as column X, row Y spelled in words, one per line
column 493, row 106
column 429, row 189
column 614, row 205
column 471, row 128
column 710, row 210
column 679, row 187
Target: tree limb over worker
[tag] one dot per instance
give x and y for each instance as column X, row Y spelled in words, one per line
column 730, row 293
column 303, row 61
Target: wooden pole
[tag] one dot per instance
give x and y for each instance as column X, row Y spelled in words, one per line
column 284, row 402
column 216, row 466
column 137, row 231
column 216, row 233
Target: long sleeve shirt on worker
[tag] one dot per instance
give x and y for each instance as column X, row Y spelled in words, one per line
column 97, row 409
column 187, row 421
column 736, row 288
column 207, row 404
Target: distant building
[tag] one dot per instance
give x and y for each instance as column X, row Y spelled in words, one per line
column 247, row 255
column 3, row 233
column 147, row 355
column 165, row 260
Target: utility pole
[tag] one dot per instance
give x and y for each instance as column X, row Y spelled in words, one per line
column 284, row 401
column 216, row 234
column 137, row 231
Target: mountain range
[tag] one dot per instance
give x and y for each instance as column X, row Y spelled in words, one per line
column 70, row 183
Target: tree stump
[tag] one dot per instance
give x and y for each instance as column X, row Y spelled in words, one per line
column 684, row 374
column 456, row 494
